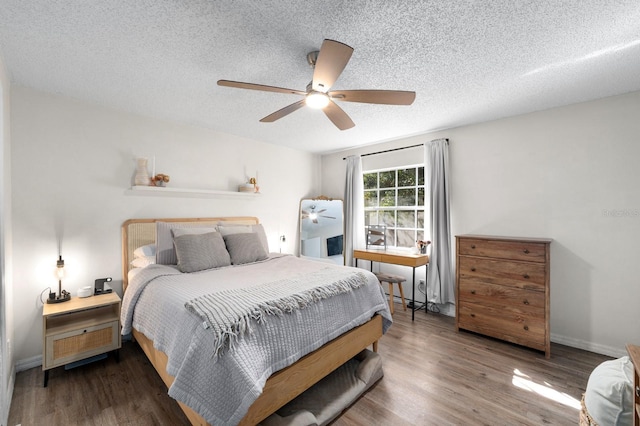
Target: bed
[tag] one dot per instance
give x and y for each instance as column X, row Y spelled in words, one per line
column 170, row 314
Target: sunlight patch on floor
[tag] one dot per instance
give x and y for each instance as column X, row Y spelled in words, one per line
column 523, row 381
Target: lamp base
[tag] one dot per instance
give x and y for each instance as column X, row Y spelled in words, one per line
column 64, row 296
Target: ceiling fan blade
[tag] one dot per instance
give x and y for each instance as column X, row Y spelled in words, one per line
column 261, row 87
column 338, row 116
column 327, row 217
column 332, row 59
column 282, row 112
column 386, row 97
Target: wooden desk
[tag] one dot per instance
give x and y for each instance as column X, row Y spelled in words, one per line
column 397, row 258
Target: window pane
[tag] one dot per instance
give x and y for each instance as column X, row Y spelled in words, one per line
column 391, row 237
column 406, row 238
column 388, row 179
column 406, row 219
column 388, row 198
column 396, row 198
column 371, row 198
column 387, row 217
column 370, row 180
column 407, row 197
column 407, row 177
column 371, row 217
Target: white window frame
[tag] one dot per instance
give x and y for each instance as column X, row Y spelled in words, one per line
column 419, row 232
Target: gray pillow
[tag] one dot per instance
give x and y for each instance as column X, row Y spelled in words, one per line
column 245, row 248
column 165, row 252
column 197, row 252
column 231, row 228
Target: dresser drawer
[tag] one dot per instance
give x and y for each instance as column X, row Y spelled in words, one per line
column 515, row 250
column 501, row 297
column 524, row 275
column 504, row 324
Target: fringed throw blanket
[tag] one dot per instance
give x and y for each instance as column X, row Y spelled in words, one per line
column 228, row 314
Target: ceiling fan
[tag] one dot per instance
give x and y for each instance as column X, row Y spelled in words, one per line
column 314, row 215
column 328, row 64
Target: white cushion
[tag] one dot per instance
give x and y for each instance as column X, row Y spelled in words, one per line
column 142, row 261
column 609, row 394
column 148, row 250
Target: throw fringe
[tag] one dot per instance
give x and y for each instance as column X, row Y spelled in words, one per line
column 230, row 313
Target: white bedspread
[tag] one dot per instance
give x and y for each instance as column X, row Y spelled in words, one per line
column 221, row 389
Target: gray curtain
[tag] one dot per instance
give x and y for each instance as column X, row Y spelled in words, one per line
column 440, row 280
column 353, row 208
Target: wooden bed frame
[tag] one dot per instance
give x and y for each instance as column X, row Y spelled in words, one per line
column 284, row 385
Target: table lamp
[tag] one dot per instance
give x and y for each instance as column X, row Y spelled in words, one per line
column 62, row 295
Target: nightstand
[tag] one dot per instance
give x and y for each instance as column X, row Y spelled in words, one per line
column 79, row 329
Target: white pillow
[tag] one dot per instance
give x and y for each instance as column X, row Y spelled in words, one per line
column 142, row 261
column 609, row 394
column 148, row 250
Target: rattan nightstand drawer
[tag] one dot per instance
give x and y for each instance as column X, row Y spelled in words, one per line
column 82, row 343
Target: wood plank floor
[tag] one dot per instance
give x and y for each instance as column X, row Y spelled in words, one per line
column 432, row 376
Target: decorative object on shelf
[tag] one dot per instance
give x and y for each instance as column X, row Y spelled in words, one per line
column 142, row 174
column 160, row 180
column 251, row 186
column 62, row 295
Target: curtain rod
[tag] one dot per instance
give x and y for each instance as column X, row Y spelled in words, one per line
column 394, row 149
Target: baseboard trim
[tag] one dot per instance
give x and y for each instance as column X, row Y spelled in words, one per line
column 26, row 364
column 588, row 346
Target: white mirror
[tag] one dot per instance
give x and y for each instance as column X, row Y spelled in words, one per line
column 321, row 229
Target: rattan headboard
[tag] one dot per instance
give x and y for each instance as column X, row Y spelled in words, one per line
column 139, row 232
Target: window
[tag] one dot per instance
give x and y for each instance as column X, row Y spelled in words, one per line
column 395, row 198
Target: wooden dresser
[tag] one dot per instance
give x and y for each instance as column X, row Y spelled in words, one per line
column 634, row 354
column 502, row 288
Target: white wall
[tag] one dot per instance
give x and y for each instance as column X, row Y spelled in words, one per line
column 72, row 162
column 570, row 174
column 7, row 371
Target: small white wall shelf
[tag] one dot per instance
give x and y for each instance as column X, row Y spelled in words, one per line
column 159, row 191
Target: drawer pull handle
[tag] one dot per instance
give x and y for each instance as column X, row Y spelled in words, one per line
column 526, row 251
column 473, row 292
column 525, row 301
column 638, row 391
column 473, row 269
column 473, row 246
column 473, row 315
column 84, row 331
column 525, row 276
column 526, row 327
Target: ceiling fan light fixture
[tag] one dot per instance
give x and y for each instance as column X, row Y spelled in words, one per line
column 317, row 100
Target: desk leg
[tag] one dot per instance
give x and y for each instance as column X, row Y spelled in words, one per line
column 426, row 283
column 413, row 295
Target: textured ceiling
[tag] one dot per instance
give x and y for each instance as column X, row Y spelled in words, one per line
column 467, row 61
